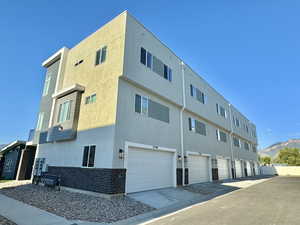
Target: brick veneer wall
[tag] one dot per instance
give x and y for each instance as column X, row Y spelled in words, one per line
column 108, row 181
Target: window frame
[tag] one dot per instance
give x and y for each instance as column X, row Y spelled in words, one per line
column 64, row 108
column 47, row 85
column 99, row 55
column 40, row 121
column 88, row 156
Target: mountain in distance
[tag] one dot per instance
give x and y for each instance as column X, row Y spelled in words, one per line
column 274, row 149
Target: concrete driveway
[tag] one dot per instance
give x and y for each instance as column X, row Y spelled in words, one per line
column 274, row 202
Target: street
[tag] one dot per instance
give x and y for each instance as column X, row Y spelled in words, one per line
column 274, row 202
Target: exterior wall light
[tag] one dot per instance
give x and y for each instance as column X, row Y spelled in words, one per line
column 121, row 154
column 179, row 157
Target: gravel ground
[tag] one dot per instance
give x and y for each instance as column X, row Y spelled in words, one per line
column 77, row 206
column 4, row 221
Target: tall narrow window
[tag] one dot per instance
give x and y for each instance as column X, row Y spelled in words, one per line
column 149, row 60
column 143, row 56
column 47, row 85
column 166, row 72
column 170, row 74
column 64, row 113
column 138, row 103
column 40, row 121
column 101, row 55
column 88, row 159
column 144, row 109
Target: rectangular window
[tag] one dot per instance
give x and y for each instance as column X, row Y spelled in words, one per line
column 101, row 55
column 170, row 74
column 152, row 109
column 143, row 56
column 166, row 72
column 254, row 148
column 144, row 104
column 158, row 111
column 155, row 64
column 149, row 60
column 223, row 136
column 88, row 159
column 85, row 156
column 246, row 145
column 222, row 111
column 93, row 98
column 236, row 142
column 40, row 121
column 200, row 128
column 237, row 122
column 138, row 105
column 192, row 124
column 47, row 85
column 64, row 111
column 199, row 95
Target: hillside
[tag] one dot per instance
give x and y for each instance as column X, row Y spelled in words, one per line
column 274, row 149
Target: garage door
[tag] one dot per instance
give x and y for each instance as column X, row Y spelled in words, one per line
column 198, row 169
column 238, row 168
column 149, row 169
column 223, row 169
column 249, row 172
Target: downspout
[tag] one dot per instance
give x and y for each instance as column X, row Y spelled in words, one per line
column 181, row 123
column 231, row 137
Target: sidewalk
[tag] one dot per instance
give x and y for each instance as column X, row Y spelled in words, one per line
column 23, row 214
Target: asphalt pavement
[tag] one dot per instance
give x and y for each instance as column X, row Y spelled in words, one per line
column 274, row 202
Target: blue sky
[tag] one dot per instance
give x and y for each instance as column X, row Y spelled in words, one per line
column 248, row 50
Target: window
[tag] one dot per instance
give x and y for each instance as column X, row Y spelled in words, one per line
column 197, row 126
column 199, row 95
column 47, row 85
column 246, row 145
column 155, row 64
column 147, row 107
column 64, row 111
column 88, row 159
column 101, row 55
column 143, row 56
column 236, row 142
column 221, row 136
column 192, row 124
column 247, row 129
column 254, row 149
column 236, row 122
column 149, row 60
column 221, row 111
column 40, row 121
column 144, row 109
column 79, row 62
column 90, row 99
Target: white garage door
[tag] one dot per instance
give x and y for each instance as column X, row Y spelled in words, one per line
column 223, row 169
column 198, row 169
column 238, row 168
column 149, row 169
column 249, row 173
